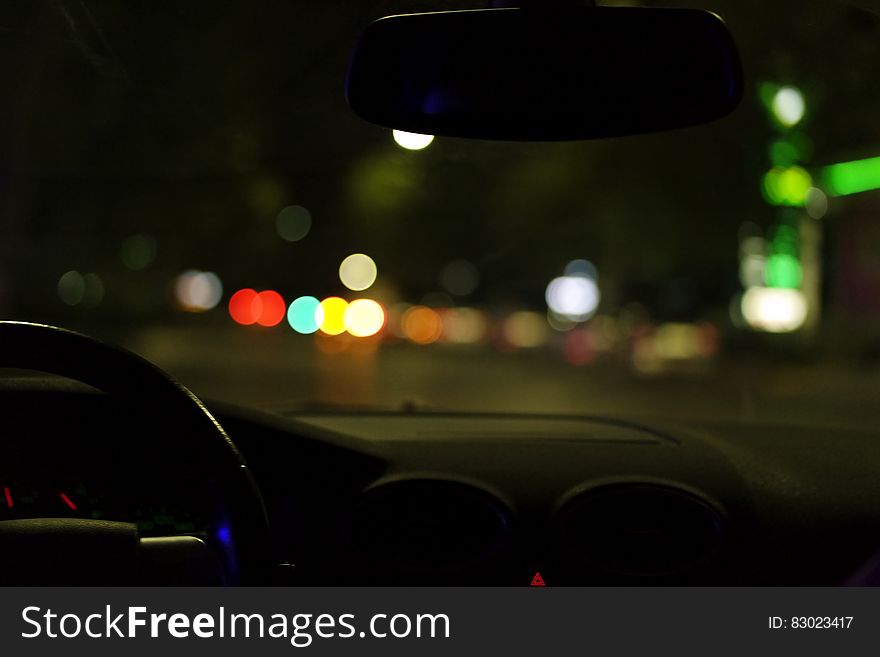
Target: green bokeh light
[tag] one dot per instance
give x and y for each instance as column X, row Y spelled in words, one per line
column 784, row 153
column 786, row 185
column 783, row 270
column 293, row 223
column 785, row 240
column 138, row 251
column 767, row 92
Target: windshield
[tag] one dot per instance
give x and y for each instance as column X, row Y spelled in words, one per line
column 186, row 179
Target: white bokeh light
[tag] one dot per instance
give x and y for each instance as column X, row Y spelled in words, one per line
column 776, row 310
column 198, row 291
column 789, row 106
column 575, row 298
column 358, row 272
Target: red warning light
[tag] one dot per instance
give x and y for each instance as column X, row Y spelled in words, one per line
column 67, row 501
column 537, row 580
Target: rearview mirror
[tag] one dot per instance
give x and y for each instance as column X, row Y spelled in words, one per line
column 539, row 74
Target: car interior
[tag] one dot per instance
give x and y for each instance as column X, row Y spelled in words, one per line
column 705, row 425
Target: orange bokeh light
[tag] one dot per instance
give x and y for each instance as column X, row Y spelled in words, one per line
column 422, row 325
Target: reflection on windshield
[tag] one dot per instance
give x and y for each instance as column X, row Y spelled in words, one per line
column 199, row 191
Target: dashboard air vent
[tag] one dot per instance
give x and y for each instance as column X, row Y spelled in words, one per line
column 427, row 524
column 638, row 530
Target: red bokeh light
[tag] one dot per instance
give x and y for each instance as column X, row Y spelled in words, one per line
column 578, row 349
column 272, row 308
column 245, row 306
column 265, row 308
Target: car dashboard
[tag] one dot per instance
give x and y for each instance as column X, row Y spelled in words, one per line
column 443, row 498
column 436, row 498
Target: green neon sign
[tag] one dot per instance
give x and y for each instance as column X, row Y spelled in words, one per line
column 852, row 177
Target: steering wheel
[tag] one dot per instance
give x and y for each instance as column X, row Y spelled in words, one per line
column 93, row 552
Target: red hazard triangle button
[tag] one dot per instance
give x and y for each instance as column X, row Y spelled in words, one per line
column 537, row 580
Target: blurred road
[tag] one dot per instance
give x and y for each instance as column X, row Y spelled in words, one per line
column 279, row 370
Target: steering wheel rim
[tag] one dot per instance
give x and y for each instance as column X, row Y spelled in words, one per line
column 122, row 373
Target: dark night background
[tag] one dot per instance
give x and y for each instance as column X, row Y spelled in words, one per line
column 195, row 123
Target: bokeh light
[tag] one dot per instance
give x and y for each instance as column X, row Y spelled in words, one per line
column 605, row 332
column 776, row 310
column 710, row 339
column 358, row 272
column 573, row 297
column 94, row 290
column 71, row 288
column 138, row 251
column 463, row 325
column 786, row 186
column 559, row 323
column 293, row 223
column 734, row 311
column 677, row 341
column 788, row 106
column 581, row 267
column 272, row 308
column 459, row 278
column 577, row 348
column 751, row 270
column 816, row 203
column 753, row 245
column 422, row 325
column 363, row 318
column 525, row 329
column 644, row 356
column 302, row 315
column 197, row 291
column 412, row 141
column 245, row 306
column 784, row 153
column 330, row 315
column 783, row 270
column 785, row 239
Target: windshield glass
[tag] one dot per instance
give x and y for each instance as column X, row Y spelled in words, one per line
column 186, row 179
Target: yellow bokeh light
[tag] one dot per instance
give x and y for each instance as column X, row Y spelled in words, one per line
column 330, row 315
column 358, row 272
column 363, row 318
column 412, row 141
column 525, row 329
